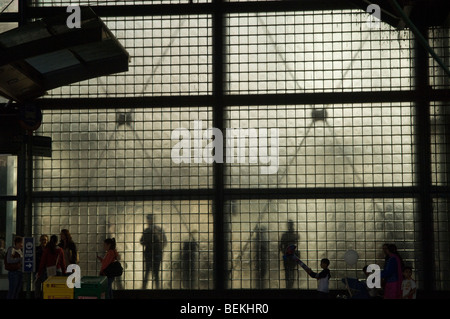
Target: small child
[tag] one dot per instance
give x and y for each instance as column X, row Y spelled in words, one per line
column 323, row 278
column 408, row 285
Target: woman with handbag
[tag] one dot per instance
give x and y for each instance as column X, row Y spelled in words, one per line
column 52, row 261
column 110, row 267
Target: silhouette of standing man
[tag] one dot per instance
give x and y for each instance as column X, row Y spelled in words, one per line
column 188, row 257
column 261, row 255
column 290, row 237
column 154, row 240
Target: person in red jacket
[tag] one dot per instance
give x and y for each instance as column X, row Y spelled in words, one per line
column 109, row 245
column 52, row 256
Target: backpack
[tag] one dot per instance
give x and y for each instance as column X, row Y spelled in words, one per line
column 11, row 266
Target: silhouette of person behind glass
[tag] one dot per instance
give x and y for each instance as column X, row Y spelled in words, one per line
column 261, row 254
column 290, row 237
column 111, row 233
column 154, row 240
column 188, row 257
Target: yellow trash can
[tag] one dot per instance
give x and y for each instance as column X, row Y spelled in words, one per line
column 55, row 287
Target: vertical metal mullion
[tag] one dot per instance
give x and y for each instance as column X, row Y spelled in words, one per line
column 23, row 12
column 445, row 41
column 423, row 158
column 445, row 113
column 220, row 247
column 25, row 175
column 22, row 158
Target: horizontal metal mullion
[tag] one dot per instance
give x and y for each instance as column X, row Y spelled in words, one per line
column 238, row 100
column 238, row 193
column 125, row 102
column 289, row 5
column 440, row 191
column 9, row 17
column 7, row 198
column 324, row 192
column 132, row 195
column 200, row 8
column 127, row 10
column 334, row 98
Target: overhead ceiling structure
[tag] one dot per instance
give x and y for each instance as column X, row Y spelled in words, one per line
column 430, row 12
column 47, row 54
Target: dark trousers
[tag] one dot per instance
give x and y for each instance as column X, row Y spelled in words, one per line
column 322, row 295
column 109, row 292
column 152, row 263
column 289, row 273
column 38, row 285
column 15, row 279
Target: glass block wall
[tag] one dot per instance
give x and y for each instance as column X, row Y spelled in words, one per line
column 349, row 145
column 125, row 149
column 326, row 51
column 187, row 227
column 439, row 38
column 170, row 55
column 326, row 228
column 112, row 167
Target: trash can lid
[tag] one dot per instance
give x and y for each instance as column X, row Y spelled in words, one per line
column 92, row 279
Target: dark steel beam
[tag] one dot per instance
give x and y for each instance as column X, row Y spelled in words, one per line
column 201, row 8
column 288, row 5
column 218, row 74
column 128, row 10
column 21, row 191
column 336, row 97
column 123, row 102
column 9, row 17
column 323, row 192
column 239, row 193
column 23, row 12
column 121, row 195
column 423, row 161
column 242, row 100
column 6, row 198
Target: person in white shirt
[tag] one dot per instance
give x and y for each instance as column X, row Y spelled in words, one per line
column 409, row 286
column 323, row 278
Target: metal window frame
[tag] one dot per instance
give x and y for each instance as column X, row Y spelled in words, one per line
column 424, row 192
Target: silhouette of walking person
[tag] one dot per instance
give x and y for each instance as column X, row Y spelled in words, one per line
column 188, row 257
column 154, row 240
column 290, row 237
column 261, row 254
column 111, row 233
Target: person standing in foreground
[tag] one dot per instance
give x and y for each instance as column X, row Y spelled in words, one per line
column 393, row 275
column 13, row 264
column 52, row 257
column 409, row 286
column 69, row 248
column 39, row 252
column 109, row 245
column 2, row 254
column 323, row 278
